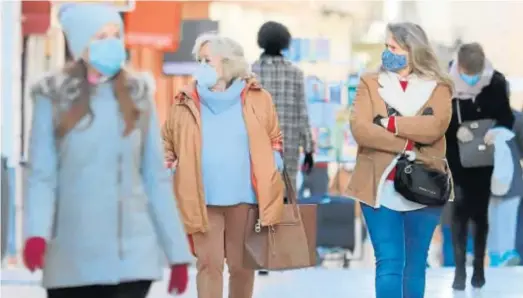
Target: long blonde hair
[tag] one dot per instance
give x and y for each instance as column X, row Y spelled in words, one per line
column 422, row 57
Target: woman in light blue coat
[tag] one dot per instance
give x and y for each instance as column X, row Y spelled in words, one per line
column 99, row 207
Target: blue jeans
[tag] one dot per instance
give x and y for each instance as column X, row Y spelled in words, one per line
column 401, row 243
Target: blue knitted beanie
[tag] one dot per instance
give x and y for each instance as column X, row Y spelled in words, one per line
column 81, row 21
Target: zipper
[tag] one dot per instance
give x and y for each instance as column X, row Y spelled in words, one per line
column 120, row 207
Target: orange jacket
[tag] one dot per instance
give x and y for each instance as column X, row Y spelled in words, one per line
column 182, row 137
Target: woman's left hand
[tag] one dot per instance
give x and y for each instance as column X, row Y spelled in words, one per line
column 179, row 279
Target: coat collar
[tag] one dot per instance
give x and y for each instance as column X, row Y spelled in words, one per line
column 410, row 101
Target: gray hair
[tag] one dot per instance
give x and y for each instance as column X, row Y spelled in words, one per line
column 471, row 58
column 233, row 58
column 422, row 57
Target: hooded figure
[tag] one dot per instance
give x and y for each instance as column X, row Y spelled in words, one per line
column 285, row 82
column 99, row 207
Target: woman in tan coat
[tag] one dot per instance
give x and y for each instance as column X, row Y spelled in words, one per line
column 404, row 108
column 223, row 140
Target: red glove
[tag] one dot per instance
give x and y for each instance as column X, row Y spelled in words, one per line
column 179, row 279
column 34, row 252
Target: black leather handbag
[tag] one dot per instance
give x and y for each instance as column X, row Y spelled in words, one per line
column 420, row 184
column 417, row 182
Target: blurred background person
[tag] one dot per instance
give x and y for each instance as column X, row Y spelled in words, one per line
column 285, row 82
column 98, row 199
column 223, row 140
column 503, row 210
column 507, row 189
column 518, row 129
column 480, row 93
column 387, row 120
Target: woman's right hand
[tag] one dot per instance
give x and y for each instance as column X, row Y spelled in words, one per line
column 34, row 252
column 464, row 135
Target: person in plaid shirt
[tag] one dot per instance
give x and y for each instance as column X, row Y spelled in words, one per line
column 285, row 82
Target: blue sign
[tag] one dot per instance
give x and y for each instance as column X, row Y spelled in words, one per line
column 293, row 53
column 335, row 93
column 314, row 89
column 322, row 49
column 352, row 84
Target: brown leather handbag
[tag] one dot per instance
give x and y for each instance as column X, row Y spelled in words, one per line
column 288, row 245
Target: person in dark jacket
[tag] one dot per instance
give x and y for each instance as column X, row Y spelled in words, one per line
column 480, row 93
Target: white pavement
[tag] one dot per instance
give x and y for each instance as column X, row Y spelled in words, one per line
column 310, row 283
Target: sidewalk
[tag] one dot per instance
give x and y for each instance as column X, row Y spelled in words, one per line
column 310, row 283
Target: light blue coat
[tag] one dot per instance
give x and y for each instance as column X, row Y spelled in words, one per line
column 103, row 202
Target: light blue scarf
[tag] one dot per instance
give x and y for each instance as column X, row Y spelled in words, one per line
column 218, row 102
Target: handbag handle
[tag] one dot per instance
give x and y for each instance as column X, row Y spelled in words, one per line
column 289, row 189
column 291, row 193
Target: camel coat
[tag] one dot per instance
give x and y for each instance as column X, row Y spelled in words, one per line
column 379, row 149
column 182, row 144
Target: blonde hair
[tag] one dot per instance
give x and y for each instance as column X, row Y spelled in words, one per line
column 233, row 58
column 422, row 57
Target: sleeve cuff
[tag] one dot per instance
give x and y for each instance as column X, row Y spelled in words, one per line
column 391, row 125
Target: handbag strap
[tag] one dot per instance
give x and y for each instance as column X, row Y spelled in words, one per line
column 289, row 189
column 458, row 111
column 291, row 193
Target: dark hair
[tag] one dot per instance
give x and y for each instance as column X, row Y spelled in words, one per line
column 81, row 107
column 471, row 58
column 273, row 37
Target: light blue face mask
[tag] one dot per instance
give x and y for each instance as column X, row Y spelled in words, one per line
column 107, row 56
column 205, row 75
column 393, row 62
column 471, row 80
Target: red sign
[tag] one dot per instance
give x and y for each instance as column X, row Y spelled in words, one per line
column 154, row 24
column 36, row 17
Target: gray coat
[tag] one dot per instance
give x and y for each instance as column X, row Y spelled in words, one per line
column 286, row 84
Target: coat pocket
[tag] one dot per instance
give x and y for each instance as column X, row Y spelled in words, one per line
column 362, row 179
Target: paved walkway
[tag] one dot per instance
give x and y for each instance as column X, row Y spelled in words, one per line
column 311, row 283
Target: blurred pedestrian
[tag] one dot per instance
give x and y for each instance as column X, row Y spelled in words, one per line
column 518, row 128
column 99, row 201
column 223, row 139
column 480, row 94
column 401, row 111
column 285, row 82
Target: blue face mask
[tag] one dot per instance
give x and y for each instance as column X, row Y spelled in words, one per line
column 205, row 75
column 107, row 56
column 471, row 80
column 393, row 62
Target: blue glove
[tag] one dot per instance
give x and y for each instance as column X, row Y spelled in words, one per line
column 278, row 160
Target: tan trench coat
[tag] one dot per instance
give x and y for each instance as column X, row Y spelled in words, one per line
column 378, row 147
